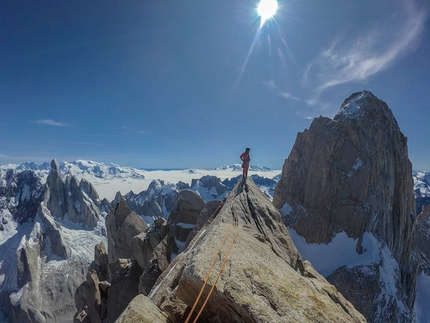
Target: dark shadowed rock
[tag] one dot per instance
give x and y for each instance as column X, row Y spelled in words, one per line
column 124, row 276
column 57, row 197
column 352, row 174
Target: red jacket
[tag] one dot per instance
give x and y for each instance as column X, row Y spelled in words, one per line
column 245, row 157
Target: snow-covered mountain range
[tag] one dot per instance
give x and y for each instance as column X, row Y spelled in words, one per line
column 42, row 213
column 110, row 178
column 149, row 193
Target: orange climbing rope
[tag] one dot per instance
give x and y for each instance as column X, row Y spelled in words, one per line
column 212, row 266
column 217, row 277
column 208, row 275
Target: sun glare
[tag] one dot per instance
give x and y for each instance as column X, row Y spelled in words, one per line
column 267, row 9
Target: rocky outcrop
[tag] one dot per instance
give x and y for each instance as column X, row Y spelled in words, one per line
column 113, row 280
column 263, row 277
column 122, row 225
column 57, row 198
column 45, row 287
column 164, row 247
column 138, row 255
column 185, row 215
column 352, row 174
column 74, row 199
column 52, row 234
column 39, row 280
column 20, row 194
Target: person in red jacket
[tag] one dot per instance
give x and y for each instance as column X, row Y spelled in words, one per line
column 245, row 159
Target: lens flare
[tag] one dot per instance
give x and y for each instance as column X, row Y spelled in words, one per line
column 266, row 10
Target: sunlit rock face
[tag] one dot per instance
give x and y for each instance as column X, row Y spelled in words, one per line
column 264, row 278
column 352, row 174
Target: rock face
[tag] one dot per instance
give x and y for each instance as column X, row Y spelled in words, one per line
column 21, row 194
column 45, row 288
column 263, row 277
column 113, row 279
column 122, row 225
column 137, row 256
column 41, row 264
column 352, row 174
column 78, row 201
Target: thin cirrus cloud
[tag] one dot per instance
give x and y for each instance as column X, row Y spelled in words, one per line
column 52, row 123
column 373, row 51
column 130, row 131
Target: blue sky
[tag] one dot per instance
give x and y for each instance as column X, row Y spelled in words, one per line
column 179, row 84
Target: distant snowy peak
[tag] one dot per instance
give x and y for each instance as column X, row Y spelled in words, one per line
column 422, row 182
column 111, row 170
column 101, row 170
column 32, row 166
column 421, row 189
column 86, row 167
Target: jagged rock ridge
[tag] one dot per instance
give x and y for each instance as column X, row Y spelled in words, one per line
column 352, row 174
column 264, row 277
column 41, row 263
column 138, row 255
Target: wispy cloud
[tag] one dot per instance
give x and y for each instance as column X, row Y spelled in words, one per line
column 376, row 49
column 52, row 123
column 129, row 131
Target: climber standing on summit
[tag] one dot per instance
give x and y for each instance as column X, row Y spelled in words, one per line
column 245, row 162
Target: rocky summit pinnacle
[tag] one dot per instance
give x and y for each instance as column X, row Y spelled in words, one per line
column 245, row 254
column 352, row 175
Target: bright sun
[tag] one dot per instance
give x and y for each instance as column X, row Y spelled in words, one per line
column 266, row 9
